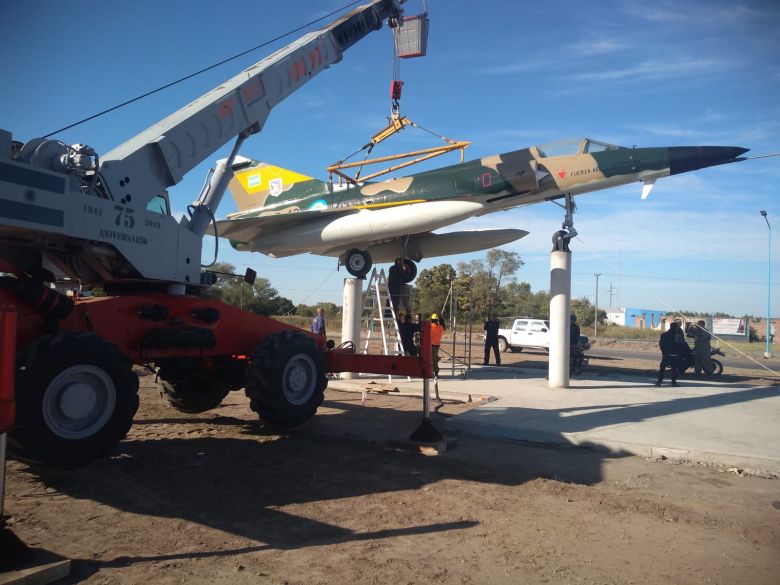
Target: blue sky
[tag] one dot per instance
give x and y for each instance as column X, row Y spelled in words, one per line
column 501, row 74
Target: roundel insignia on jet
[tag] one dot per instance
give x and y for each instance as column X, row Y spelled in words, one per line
column 319, row 204
column 275, row 187
column 562, row 173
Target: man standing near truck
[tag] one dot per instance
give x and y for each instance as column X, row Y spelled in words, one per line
column 492, row 326
column 702, row 362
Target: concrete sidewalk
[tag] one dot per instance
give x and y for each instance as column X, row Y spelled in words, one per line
column 731, row 424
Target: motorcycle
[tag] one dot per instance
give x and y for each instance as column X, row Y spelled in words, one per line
column 577, row 359
column 686, row 362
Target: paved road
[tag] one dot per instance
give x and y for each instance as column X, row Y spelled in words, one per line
column 730, row 360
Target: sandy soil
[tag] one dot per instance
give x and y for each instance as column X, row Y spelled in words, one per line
column 212, row 498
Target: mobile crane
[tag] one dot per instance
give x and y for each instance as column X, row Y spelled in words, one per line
column 106, row 221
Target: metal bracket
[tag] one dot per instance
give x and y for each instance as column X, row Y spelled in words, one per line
column 561, row 238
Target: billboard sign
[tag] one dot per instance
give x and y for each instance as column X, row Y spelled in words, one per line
column 722, row 326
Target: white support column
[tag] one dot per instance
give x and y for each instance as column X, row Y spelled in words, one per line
column 350, row 318
column 560, row 309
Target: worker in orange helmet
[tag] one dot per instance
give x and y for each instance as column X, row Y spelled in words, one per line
column 436, row 332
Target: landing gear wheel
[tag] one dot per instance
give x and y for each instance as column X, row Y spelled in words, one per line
column 410, row 272
column 286, row 380
column 502, row 345
column 190, row 387
column 76, row 396
column 358, row 263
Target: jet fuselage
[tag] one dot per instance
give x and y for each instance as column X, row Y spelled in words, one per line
column 363, row 215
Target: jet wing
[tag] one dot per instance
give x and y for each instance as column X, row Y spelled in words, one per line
column 432, row 245
column 247, row 229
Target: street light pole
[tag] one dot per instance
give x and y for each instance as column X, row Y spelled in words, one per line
column 596, row 321
column 767, row 352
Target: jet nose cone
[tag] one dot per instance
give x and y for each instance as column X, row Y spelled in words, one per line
column 690, row 158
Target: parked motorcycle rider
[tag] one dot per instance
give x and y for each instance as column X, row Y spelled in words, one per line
column 702, row 362
column 574, row 332
column 671, row 350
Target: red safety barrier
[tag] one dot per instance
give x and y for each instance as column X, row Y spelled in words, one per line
column 7, row 367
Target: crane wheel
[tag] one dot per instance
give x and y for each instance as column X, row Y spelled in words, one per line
column 286, row 379
column 76, row 395
column 189, row 387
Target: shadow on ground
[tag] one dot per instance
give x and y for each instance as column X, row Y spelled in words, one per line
column 241, row 482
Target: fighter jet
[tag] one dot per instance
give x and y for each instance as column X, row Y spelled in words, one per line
column 282, row 213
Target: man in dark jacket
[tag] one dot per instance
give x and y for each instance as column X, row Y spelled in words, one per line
column 407, row 329
column 574, row 332
column 395, row 281
column 671, row 351
column 491, row 339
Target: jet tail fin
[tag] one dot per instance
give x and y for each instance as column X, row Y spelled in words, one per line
column 252, row 185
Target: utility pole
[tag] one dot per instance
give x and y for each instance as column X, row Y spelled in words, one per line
column 767, row 352
column 611, row 294
column 620, row 275
column 596, row 321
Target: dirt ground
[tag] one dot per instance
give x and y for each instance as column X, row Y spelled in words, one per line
column 213, row 498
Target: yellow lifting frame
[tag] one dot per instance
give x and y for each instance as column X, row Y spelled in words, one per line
column 397, row 123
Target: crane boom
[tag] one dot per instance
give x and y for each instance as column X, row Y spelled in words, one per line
column 67, row 212
column 159, row 156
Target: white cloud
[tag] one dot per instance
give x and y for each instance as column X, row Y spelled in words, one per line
column 657, row 69
column 595, row 47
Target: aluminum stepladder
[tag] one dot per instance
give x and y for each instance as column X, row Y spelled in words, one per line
column 379, row 311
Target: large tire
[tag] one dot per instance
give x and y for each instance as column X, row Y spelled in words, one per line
column 76, row 395
column 189, row 387
column 411, row 271
column 286, row 379
column 502, row 345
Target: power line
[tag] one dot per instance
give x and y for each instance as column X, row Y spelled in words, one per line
column 210, row 67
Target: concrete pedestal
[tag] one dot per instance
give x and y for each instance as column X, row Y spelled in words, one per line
column 350, row 318
column 560, row 309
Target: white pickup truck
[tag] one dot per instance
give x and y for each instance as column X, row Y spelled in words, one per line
column 530, row 332
column 525, row 332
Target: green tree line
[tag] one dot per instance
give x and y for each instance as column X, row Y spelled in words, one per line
column 477, row 288
column 472, row 289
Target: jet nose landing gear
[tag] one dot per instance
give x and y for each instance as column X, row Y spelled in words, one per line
column 409, row 272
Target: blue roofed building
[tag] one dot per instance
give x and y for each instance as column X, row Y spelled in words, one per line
column 637, row 318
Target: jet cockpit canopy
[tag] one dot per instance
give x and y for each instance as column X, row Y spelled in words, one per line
column 572, row 146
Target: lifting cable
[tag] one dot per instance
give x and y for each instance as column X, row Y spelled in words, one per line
column 410, row 46
column 215, row 65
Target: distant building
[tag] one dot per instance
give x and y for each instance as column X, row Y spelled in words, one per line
column 636, row 318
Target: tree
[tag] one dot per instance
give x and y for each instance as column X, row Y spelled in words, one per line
column 485, row 280
column 502, row 265
column 520, row 301
column 584, row 311
column 431, row 289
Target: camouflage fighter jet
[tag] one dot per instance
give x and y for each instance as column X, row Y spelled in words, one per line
column 282, row 213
